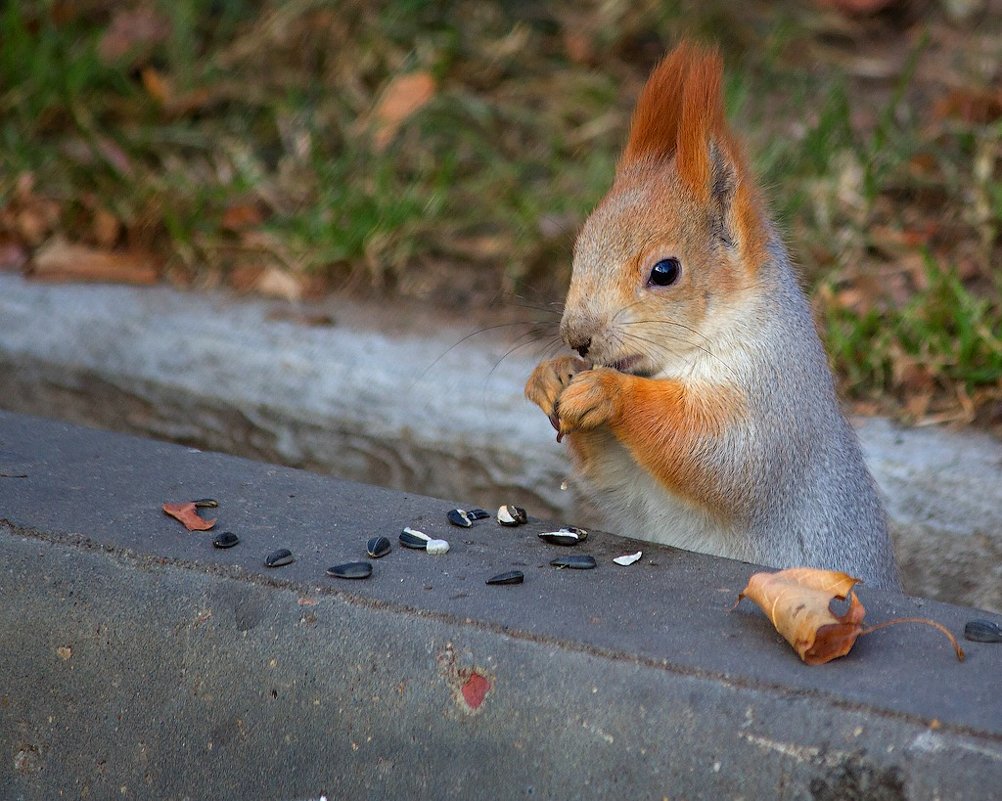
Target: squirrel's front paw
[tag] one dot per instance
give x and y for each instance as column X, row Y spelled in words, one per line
column 590, row 400
column 549, row 379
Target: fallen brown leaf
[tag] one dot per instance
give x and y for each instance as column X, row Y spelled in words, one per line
column 59, row 260
column 974, row 106
column 157, row 85
column 105, row 227
column 187, row 513
column 239, row 216
column 277, row 283
column 404, row 96
column 797, row 601
column 132, row 30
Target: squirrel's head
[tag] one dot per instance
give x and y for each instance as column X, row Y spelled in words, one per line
column 680, row 235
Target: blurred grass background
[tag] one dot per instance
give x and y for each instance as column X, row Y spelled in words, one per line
column 449, row 152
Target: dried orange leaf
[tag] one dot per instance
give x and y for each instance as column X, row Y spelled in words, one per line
column 402, row 98
column 798, row 602
column 60, row 260
column 187, row 514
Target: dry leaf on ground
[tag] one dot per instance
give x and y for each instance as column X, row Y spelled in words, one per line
column 59, row 260
column 133, row 31
column 798, row 603
column 187, row 513
column 404, row 96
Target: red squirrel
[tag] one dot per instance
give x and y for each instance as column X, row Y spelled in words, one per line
column 701, row 411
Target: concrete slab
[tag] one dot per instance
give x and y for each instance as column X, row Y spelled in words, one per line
column 409, row 400
column 140, row 661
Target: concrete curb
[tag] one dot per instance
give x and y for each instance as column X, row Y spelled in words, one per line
column 141, row 662
column 384, row 399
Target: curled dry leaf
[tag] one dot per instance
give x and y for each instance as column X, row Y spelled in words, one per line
column 59, row 260
column 187, row 513
column 402, row 98
column 798, row 602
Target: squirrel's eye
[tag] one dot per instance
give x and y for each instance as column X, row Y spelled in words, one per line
column 665, row 272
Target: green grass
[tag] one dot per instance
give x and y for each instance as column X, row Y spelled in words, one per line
column 480, row 192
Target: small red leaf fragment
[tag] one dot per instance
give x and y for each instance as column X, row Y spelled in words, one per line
column 187, row 514
column 475, row 689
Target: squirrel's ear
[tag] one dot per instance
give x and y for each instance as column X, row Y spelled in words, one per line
column 678, row 112
column 655, row 124
column 701, row 159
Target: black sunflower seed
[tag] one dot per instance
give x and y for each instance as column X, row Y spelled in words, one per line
column 511, row 577
column 477, row 514
column 983, row 631
column 225, row 540
column 582, row 562
column 377, row 546
column 460, row 518
column 351, row 570
column 563, row 537
column 283, row 556
column 411, row 539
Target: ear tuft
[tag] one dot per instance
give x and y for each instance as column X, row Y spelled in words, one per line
column 679, row 111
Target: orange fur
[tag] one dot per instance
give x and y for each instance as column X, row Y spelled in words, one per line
column 665, row 424
column 654, row 128
column 680, row 115
column 669, row 425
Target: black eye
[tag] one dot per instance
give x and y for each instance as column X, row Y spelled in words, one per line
column 665, row 272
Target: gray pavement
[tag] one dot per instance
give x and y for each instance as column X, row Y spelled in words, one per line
column 140, row 661
column 414, row 401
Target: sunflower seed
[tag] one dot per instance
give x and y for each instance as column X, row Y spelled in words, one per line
column 351, row 570
column 377, row 546
column 412, row 538
column 283, row 556
column 983, row 631
column 510, row 515
column 582, row 562
column 566, row 536
column 628, row 559
column 225, row 540
column 511, row 577
column 206, row 503
column 477, row 514
column 458, row 517
column 437, row 547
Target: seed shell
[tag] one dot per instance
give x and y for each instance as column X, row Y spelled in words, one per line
column 983, row 631
column 411, row 538
column 565, row 536
column 477, row 514
column 628, row 558
column 226, row 539
column 351, row 570
column 511, row 515
column 437, row 547
column 459, row 517
column 377, row 547
column 577, row 562
column 283, row 556
column 206, row 503
column 511, row 577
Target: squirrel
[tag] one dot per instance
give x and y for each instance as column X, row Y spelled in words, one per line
column 701, row 411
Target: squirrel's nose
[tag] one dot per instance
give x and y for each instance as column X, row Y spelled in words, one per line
column 582, row 347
